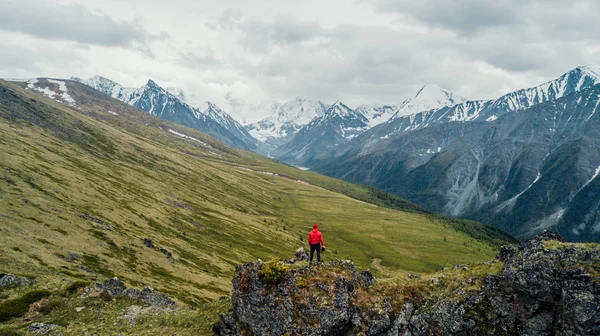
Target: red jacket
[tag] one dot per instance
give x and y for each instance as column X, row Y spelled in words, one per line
column 315, row 237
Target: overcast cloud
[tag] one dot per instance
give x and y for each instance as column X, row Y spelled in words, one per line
column 362, row 51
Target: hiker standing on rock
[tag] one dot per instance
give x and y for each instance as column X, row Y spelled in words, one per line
column 315, row 240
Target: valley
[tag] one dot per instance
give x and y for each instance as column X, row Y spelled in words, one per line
column 84, row 187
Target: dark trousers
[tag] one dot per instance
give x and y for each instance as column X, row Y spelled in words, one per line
column 313, row 248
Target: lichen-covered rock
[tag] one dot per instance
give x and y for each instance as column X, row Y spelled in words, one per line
column 115, row 287
column 44, row 329
column 366, row 278
column 544, row 287
column 11, row 280
column 301, row 254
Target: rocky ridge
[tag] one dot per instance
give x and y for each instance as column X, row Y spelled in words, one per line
column 541, row 287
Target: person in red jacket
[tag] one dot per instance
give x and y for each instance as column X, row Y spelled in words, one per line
column 315, row 240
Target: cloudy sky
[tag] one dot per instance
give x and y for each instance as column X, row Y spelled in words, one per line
column 358, row 51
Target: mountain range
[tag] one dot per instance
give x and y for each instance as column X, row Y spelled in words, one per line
column 524, row 162
column 465, row 158
column 170, row 104
column 93, row 188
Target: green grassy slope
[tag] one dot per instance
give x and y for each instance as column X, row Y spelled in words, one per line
column 80, row 189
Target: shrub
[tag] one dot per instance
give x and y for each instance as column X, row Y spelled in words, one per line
column 47, row 306
column 18, row 307
column 301, row 283
column 74, row 287
column 273, row 272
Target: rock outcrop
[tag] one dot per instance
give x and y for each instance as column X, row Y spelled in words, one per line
column 115, row 288
column 542, row 287
column 43, row 329
column 11, row 280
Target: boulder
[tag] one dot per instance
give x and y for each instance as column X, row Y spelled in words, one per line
column 10, row 280
column 115, row 288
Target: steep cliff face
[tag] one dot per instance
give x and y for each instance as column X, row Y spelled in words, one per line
column 542, row 287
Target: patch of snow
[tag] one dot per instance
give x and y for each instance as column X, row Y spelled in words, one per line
column 113, row 113
column 62, row 86
column 188, row 137
column 596, row 173
column 31, row 83
column 492, row 118
column 593, row 111
column 510, row 204
column 45, row 90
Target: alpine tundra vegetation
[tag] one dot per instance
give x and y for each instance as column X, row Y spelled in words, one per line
column 116, row 220
column 176, row 167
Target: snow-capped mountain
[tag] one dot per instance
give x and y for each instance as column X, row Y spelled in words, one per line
column 247, row 113
column 158, row 101
column 490, row 110
column 215, row 113
column 429, row 97
column 524, row 162
column 346, row 124
column 338, row 125
column 286, row 120
column 377, row 114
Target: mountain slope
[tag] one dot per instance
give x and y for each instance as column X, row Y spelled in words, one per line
column 316, row 141
column 337, row 126
column 377, row 114
column 429, row 97
column 285, row 120
column 526, row 171
column 82, row 187
column 171, row 106
column 489, row 110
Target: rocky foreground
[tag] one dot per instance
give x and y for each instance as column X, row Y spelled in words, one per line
column 542, row 287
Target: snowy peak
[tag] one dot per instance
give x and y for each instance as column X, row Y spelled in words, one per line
column 286, row 119
column 377, row 114
column 300, row 111
column 100, row 83
column 340, row 115
column 588, row 70
column 438, row 96
column 170, row 104
column 153, row 86
column 223, row 118
column 340, row 109
column 573, row 81
column 214, row 111
column 429, row 97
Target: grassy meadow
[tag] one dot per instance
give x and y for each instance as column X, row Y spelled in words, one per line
column 80, row 188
